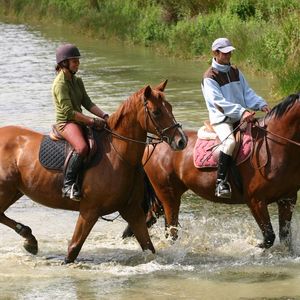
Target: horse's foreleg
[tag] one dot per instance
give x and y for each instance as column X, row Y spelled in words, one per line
column 285, row 212
column 30, row 244
column 260, row 212
column 137, row 222
column 83, row 227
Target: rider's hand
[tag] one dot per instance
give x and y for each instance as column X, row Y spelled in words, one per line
column 99, row 123
column 248, row 116
column 105, row 117
column 266, row 109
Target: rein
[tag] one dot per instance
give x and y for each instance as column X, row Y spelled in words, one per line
column 150, row 139
column 124, row 138
column 277, row 135
column 148, row 142
column 256, row 124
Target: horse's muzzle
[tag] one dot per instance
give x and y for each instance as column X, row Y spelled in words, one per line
column 179, row 142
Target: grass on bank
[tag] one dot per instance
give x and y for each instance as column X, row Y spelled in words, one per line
column 266, row 33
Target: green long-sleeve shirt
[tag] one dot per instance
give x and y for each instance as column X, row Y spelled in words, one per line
column 68, row 96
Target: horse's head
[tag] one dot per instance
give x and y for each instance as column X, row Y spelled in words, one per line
column 287, row 111
column 283, row 121
column 159, row 119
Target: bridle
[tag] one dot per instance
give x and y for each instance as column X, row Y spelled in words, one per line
column 160, row 132
column 150, row 139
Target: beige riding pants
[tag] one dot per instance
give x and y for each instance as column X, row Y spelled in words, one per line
column 224, row 132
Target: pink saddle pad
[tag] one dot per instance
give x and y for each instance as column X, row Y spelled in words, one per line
column 206, row 152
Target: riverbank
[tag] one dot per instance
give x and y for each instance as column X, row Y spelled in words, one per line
column 266, row 35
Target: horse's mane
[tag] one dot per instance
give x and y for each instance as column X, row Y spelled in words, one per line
column 127, row 107
column 285, row 105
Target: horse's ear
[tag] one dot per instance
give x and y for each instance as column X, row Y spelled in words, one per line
column 161, row 86
column 147, row 92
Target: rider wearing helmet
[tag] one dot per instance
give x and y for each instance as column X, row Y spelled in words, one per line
column 69, row 96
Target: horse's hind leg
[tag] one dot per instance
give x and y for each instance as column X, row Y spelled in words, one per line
column 285, row 212
column 30, row 243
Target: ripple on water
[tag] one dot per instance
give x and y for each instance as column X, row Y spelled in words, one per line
column 216, row 245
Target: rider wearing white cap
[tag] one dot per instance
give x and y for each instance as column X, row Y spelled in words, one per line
column 223, row 45
column 228, row 98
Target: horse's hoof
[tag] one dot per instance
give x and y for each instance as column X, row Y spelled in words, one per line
column 171, row 232
column 152, row 249
column 31, row 247
column 174, row 237
column 151, row 221
column 264, row 245
column 67, row 261
column 260, row 245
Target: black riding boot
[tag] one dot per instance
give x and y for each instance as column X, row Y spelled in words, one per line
column 223, row 189
column 70, row 188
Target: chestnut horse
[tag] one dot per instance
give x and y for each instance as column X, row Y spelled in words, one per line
column 271, row 174
column 115, row 183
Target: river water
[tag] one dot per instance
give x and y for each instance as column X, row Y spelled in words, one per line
column 215, row 256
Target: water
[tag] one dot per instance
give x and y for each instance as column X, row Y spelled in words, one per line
column 215, row 256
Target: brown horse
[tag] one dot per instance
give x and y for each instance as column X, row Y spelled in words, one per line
column 115, row 183
column 271, row 174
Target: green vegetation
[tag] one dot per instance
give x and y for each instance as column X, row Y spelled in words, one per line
column 266, row 33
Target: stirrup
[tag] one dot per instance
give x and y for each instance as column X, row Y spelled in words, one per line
column 71, row 192
column 75, row 193
column 223, row 189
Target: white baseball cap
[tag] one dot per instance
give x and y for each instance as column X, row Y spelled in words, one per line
column 223, row 45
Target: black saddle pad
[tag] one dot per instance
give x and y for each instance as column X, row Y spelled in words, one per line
column 53, row 153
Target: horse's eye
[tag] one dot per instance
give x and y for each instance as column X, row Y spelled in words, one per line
column 156, row 113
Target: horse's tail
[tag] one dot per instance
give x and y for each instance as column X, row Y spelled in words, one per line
column 149, row 194
column 152, row 206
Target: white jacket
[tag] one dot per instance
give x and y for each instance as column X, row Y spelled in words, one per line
column 227, row 94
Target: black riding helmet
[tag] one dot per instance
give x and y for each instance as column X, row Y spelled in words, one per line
column 65, row 52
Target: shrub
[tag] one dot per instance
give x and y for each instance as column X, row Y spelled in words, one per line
column 244, row 9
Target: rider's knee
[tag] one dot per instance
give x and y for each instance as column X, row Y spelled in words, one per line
column 82, row 150
column 229, row 145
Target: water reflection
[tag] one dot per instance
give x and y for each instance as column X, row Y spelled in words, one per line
column 215, row 256
column 111, row 73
